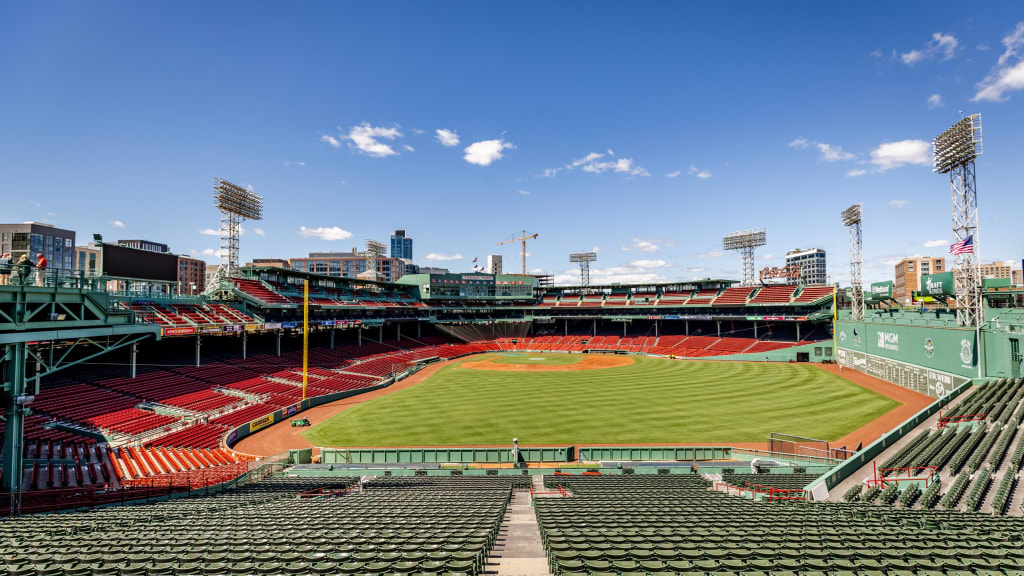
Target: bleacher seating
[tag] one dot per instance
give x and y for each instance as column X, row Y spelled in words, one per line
column 773, row 295
column 258, row 291
column 813, row 294
column 735, row 296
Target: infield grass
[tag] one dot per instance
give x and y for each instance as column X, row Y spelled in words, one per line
column 536, row 359
column 651, row 401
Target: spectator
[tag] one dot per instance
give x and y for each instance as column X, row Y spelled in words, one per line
column 41, row 270
column 24, row 269
column 5, row 269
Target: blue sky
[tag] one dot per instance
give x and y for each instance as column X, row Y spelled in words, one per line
column 644, row 129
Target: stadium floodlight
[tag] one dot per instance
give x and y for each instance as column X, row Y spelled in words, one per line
column 852, row 219
column 745, row 242
column 235, row 204
column 955, row 151
column 583, row 259
column 374, row 251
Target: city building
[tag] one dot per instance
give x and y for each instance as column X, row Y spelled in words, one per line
column 811, row 263
column 208, row 274
column 145, row 245
column 191, row 275
column 995, row 270
column 34, row 238
column 908, row 276
column 401, row 245
column 87, row 259
column 494, row 264
column 348, row 265
column 269, row 263
column 1017, row 277
column 544, row 280
column 431, row 270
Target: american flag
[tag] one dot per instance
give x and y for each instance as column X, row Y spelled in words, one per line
column 965, row 246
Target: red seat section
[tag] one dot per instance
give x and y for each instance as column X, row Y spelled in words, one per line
column 773, row 295
column 813, row 294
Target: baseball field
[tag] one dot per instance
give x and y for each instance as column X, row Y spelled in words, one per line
column 576, row 399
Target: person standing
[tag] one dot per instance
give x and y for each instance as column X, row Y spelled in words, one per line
column 41, row 264
column 24, row 269
column 5, row 269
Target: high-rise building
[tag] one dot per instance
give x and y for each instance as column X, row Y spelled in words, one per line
column 269, row 263
column 401, row 245
column 191, row 275
column 1017, row 277
column 348, row 265
column 812, row 265
column 87, row 259
column 995, row 270
column 34, row 238
column 494, row 264
column 211, row 270
column 908, row 276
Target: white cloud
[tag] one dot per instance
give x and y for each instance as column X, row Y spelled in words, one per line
column 259, row 232
column 592, row 164
column 895, row 154
column 325, row 233
column 209, row 232
column 524, row 192
column 640, row 246
column 649, row 264
column 620, row 166
column 856, row 172
column 876, row 53
column 447, row 138
column 899, row 203
column 935, row 101
column 712, row 254
column 485, row 152
column 800, row 143
column 595, row 249
column 585, row 160
column 435, row 257
column 367, row 139
column 766, row 256
column 209, row 252
column 673, row 174
column 117, row 224
column 1008, row 75
column 936, row 243
column 289, row 163
column 638, row 271
column 941, row 46
column 830, row 153
column 702, row 174
column 408, row 148
column 331, row 140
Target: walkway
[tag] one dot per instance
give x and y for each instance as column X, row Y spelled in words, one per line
column 521, row 552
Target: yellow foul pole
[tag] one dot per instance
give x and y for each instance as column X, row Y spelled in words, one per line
column 835, row 316
column 305, row 336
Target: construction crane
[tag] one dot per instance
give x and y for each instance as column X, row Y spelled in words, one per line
column 522, row 239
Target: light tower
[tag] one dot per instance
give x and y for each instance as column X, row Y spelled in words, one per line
column 235, row 204
column 852, row 220
column 374, row 252
column 745, row 242
column 954, row 154
column 583, row 259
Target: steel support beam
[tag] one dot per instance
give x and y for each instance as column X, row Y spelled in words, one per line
column 16, row 359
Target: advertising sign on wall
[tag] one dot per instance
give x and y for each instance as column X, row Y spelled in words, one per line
column 937, row 285
column 261, row 422
column 880, row 291
column 180, row 331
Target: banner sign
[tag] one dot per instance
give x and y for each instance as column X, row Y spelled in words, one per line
column 288, row 324
column 231, row 438
column 233, row 328
column 209, row 330
column 880, row 291
column 293, row 409
column 327, row 322
column 654, row 317
column 180, row 331
column 252, row 327
column 261, row 422
column 937, row 285
column 670, row 318
column 791, row 272
column 272, row 326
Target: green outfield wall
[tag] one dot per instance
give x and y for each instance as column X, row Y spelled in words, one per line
column 928, row 352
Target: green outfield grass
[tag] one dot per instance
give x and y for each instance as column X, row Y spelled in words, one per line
column 536, row 359
column 653, row 400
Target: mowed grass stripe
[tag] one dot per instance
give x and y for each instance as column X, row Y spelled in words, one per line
column 652, row 401
column 538, row 359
